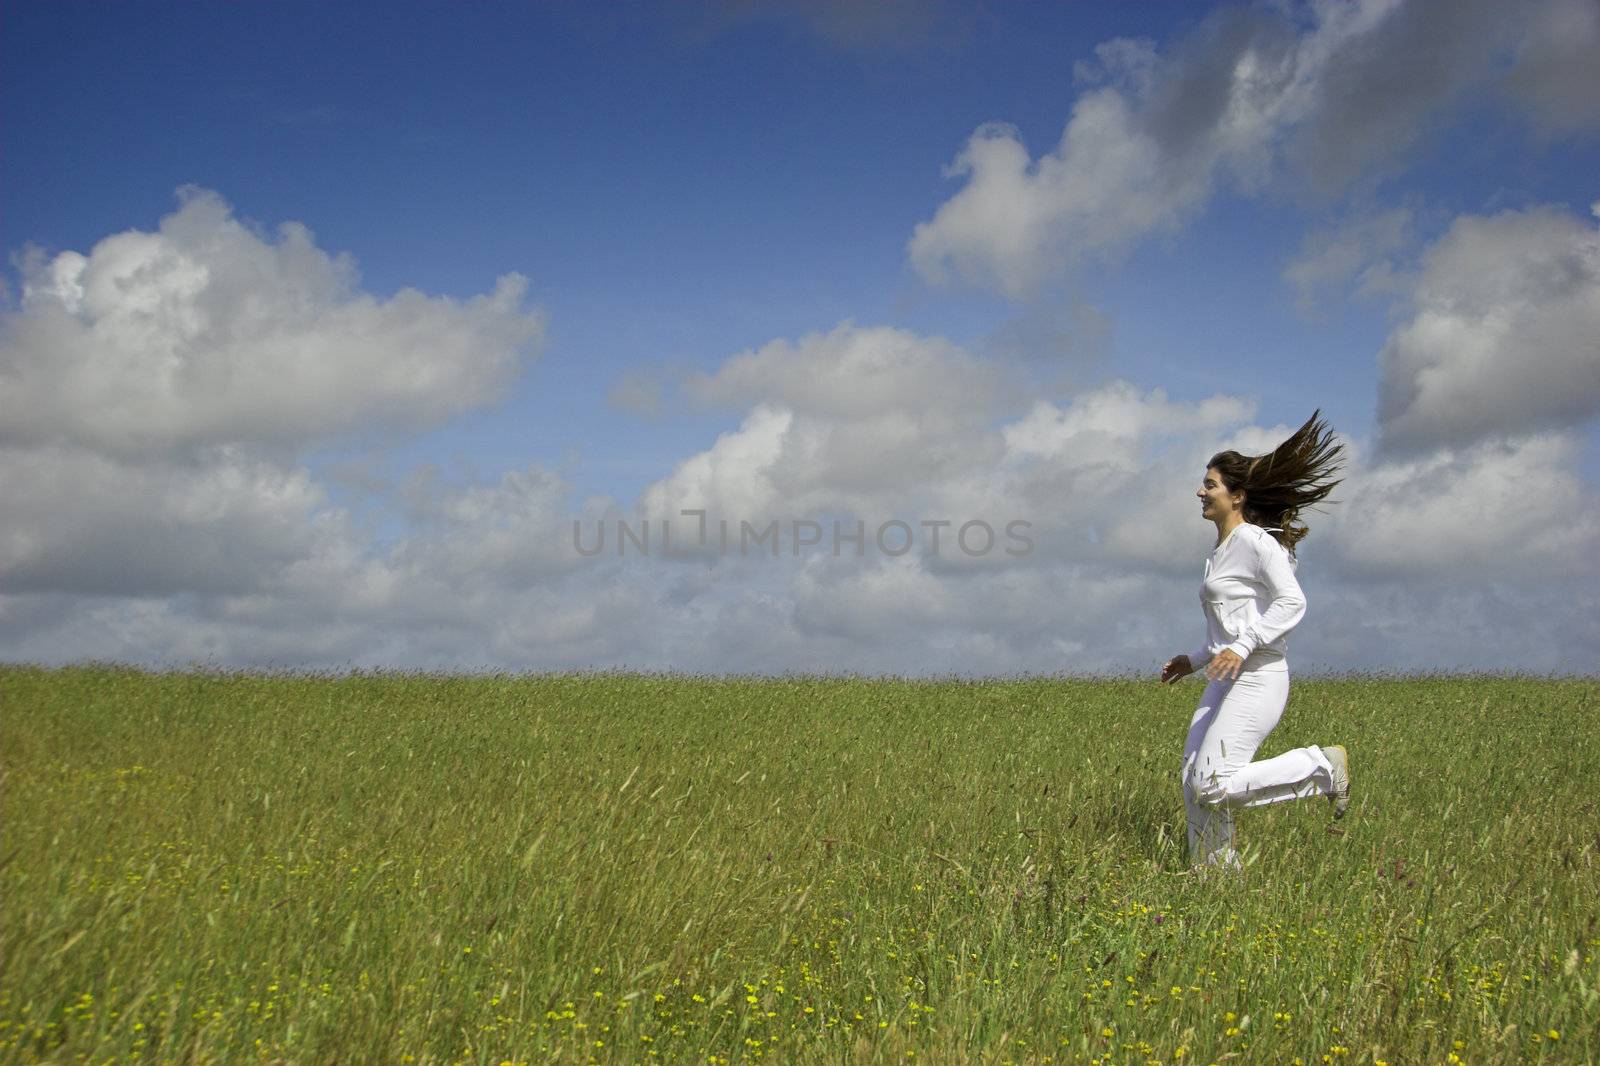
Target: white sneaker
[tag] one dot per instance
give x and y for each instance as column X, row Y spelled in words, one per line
column 1339, row 760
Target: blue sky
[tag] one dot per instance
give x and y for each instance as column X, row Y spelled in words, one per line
column 680, row 184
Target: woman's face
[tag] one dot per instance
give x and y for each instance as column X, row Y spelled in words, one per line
column 1216, row 502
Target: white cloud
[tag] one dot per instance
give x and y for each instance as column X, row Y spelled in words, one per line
column 875, row 604
column 217, row 523
column 1247, row 95
column 188, row 547
column 206, row 333
column 1108, row 478
column 730, row 480
column 157, row 395
column 1116, row 423
column 1504, row 336
column 482, row 584
column 1112, row 474
column 510, row 535
column 859, row 372
column 1513, row 511
column 854, row 419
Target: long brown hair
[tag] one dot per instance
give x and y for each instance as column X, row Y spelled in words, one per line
column 1293, row 475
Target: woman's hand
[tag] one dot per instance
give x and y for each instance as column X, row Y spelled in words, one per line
column 1177, row 666
column 1224, row 666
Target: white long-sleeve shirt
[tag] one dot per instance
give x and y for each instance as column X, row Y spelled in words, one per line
column 1250, row 597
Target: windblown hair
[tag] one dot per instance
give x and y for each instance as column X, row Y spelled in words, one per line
column 1293, row 475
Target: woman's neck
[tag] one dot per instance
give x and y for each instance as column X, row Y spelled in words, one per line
column 1227, row 525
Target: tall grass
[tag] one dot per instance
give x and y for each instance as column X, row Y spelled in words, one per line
column 206, row 868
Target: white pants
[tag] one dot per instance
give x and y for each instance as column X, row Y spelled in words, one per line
column 1233, row 718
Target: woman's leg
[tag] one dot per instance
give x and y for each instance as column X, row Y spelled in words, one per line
column 1210, row 828
column 1292, row 775
column 1248, row 714
column 1228, row 728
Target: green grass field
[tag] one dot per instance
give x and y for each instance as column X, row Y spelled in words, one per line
column 613, row 868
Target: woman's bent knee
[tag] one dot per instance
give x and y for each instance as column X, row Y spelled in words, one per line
column 1210, row 790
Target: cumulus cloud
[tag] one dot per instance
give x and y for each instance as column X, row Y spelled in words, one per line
column 161, row 397
column 1069, row 467
column 1249, row 95
column 1113, row 472
column 1116, row 423
column 484, row 575
column 158, row 393
column 858, row 372
column 1107, row 478
column 1510, row 510
column 509, row 535
column 1504, row 334
column 731, row 479
column 168, row 542
column 839, row 420
column 872, row 603
column 205, row 332
column 220, row 522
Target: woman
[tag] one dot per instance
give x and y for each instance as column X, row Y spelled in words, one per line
column 1251, row 601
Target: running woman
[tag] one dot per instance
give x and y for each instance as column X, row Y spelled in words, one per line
column 1251, row 601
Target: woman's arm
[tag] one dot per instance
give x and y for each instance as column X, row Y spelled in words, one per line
column 1288, row 604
